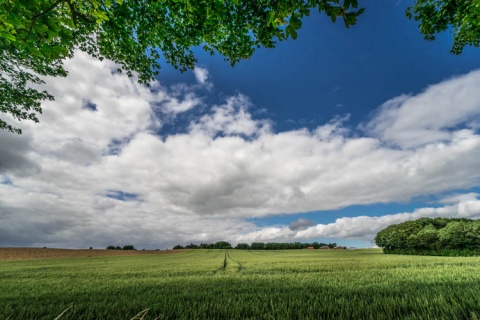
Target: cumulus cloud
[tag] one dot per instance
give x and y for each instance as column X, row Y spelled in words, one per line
column 455, row 198
column 15, row 154
column 362, row 227
column 122, row 108
column 102, row 174
column 231, row 118
column 300, row 224
column 365, row 227
column 179, row 99
column 201, row 74
column 431, row 116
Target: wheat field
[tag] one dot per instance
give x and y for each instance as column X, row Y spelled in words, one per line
column 236, row 284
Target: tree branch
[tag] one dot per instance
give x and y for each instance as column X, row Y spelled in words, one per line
column 35, row 17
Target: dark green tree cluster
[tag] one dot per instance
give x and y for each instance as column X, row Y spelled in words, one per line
column 216, row 245
column 284, row 245
column 127, row 247
column 258, row 245
column 425, row 236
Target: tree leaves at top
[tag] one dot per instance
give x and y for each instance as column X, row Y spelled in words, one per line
column 461, row 17
column 37, row 35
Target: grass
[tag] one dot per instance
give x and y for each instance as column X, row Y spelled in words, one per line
column 235, row 284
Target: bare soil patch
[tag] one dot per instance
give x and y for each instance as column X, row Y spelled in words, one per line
column 47, row 253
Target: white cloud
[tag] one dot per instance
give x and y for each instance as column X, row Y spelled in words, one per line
column 455, row 198
column 14, row 156
column 362, row 227
column 123, row 107
column 201, row 74
column 227, row 166
column 175, row 105
column 431, row 116
column 300, row 224
column 180, row 98
column 232, row 118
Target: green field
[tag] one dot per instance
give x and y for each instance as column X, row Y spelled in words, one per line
column 235, row 284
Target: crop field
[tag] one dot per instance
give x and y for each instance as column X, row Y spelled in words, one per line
column 44, row 253
column 236, row 284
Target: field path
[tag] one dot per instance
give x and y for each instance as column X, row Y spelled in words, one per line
column 234, row 262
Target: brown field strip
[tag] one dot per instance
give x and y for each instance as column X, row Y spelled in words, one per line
column 48, row 253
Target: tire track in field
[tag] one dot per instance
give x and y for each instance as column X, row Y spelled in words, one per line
column 239, row 264
column 229, row 264
column 223, row 267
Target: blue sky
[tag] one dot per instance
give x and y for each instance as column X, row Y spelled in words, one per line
column 330, row 137
column 331, row 70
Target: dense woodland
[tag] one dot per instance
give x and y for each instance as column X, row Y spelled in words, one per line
column 259, row 246
column 425, row 236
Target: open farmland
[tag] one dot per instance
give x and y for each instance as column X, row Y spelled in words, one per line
column 47, row 253
column 235, row 284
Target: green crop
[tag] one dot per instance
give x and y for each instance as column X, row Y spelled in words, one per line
column 238, row 284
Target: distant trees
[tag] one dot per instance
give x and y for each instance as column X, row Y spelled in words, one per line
column 222, row 245
column 425, row 236
column 289, row 245
column 242, row 246
column 127, row 247
column 216, row 245
column 258, row 246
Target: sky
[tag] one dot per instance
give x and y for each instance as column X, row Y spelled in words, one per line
column 329, row 138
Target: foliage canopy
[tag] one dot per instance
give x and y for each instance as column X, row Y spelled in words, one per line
column 35, row 36
column 461, row 17
column 439, row 236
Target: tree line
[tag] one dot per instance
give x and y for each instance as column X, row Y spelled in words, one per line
column 127, row 247
column 216, row 245
column 259, row 245
column 426, row 236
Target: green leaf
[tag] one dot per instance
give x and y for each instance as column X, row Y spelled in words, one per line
column 290, row 31
column 271, row 18
column 295, row 23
